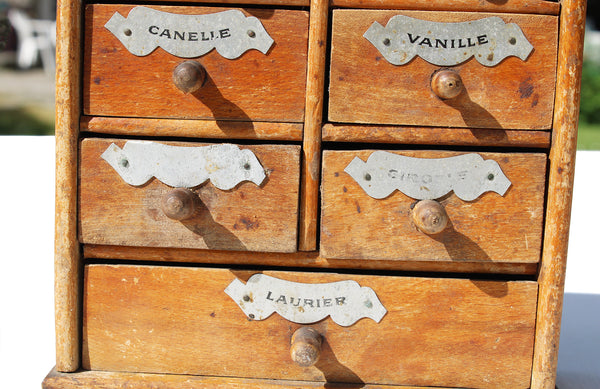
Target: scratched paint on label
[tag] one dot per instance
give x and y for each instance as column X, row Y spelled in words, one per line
column 489, row 40
column 225, row 165
column 468, row 175
column 230, row 32
column 344, row 301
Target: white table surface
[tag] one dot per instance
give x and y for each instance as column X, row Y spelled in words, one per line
column 26, row 273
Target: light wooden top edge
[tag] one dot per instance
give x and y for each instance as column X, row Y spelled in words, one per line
column 192, row 128
column 281, row 3
column 334, row 132
column 542, row 7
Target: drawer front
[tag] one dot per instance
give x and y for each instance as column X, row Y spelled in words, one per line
column 247, row 217
column 491, row 227
column 436, row 332
column 253, row 87
column 366, row 88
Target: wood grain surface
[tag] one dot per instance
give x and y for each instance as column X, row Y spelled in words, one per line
column 515, row 94
column 436, row 135
column 548, row 7
column 254, row 87
column 191, row 128
column 437, row 332
column 247, row 217
column 277, row 3
column 491, row 228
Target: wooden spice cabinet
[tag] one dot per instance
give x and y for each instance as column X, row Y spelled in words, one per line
column 140, row 298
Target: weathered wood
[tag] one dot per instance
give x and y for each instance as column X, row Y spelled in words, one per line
column 491, row 228
column 436, row 135
column 510, row 6
column 254, row 87
column 311, row 145
column 247, row 217
column 305, row 347
column 447, row 84
column 429, row 217
column 192, row 128
column 179, row 204
column 300, row 259
column 67, row 265
column 116, row 380
column 450, row 332
column 560, row 181
column 365, row 88
column 189, row 76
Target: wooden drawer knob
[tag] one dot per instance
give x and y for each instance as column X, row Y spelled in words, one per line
column 179, row 204
column 189, row 76
column 446, row 84
column 430, row 216
column 306, row 346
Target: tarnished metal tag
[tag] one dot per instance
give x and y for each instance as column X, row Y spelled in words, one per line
column 188, row 36
column 468, row 175
column 489, row 40
column 344, row 301
column 225, row 165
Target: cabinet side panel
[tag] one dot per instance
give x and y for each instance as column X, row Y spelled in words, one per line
column 67, row 264
column 560, row 192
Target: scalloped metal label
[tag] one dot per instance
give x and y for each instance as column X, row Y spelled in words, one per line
column 230, row 32
column 489, row 40
column 345, row 302
column 225, row 165
column 468, row 175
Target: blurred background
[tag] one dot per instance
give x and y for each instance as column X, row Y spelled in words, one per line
column 27, row 43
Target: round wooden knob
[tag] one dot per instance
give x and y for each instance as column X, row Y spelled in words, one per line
column 179, row 204
column 446, row 84
column 430, row 216
column 189, row 76
column 306, row 346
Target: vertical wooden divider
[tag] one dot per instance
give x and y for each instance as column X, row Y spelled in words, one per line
column 311, row 162
column 560, row 182
column 67, row 264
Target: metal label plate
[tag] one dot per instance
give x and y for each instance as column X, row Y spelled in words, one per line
column 230, row 32
column 344, row 301
column 468, row 175
column 489, row 40
column 225, row 165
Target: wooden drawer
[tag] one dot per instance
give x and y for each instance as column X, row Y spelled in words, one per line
column 253, row 87
column 436, row 332
column 365, row 88
column 490, row 228
column 247, row 217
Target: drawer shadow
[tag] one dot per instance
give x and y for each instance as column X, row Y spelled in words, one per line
column 336, row 375
column 216, row 236
column 473, row 114
column 224, row 111
column 457, row 244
